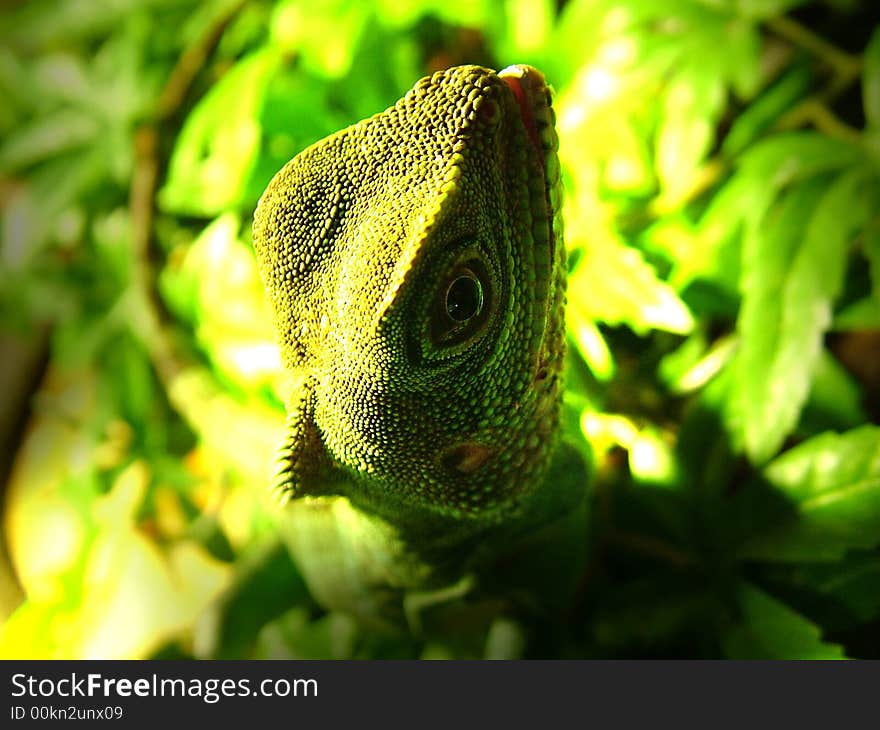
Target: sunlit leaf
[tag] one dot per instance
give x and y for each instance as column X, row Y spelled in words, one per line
column 676, row 363
column 691, row 103
column 241, row 437
column 614, row 284
column 740, row 199
column 793, row 264
column 46, row 521
column 218, row 285
column 217, row 147
column 134, row 599
column 627, row 165
column 673, row 237
column 286, row 128
column 786, row 158
column 577, row 33
column 652, row 460
column 832, row 483
column 325, row 33
column 529, row 25
column 590, row 343
column 693, row 365
column 762, row 172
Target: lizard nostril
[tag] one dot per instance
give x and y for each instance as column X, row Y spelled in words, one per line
column 466, row 458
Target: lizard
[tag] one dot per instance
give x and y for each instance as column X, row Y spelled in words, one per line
column 415, row 267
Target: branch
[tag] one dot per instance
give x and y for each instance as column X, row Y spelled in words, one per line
column 191, row 63
column 813, row 111
column 167, row 358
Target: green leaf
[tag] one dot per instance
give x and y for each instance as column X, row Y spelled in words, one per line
column 526, row 29
column 673, row 238
column 627, row 167
column 763, row 171
column 16, row 86
column 793, row 266
column 872, row 253
column 218, row 146
column 853, row 583
column 758, row 117
column 467, row 13
column 832, row 483
column 863, row 314
column 264, row 586
column 590, row 344
column 47, row 137
column 694, row 364
column 871, row 80
column 650, row 611
column 768, row 629
column 287, row 128
column 835, row 399
column 687, row 126
column 575, row 38
column 38, row 24
column 786, row 158
column 324, row 34
column 614, row 284
column 217, row 286
column 295, row 636
column 743, row 50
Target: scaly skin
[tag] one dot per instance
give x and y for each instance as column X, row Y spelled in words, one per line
column 416, row 270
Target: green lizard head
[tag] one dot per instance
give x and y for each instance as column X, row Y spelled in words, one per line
column 415, row 266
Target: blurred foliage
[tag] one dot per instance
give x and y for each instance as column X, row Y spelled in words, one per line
column 722, row 168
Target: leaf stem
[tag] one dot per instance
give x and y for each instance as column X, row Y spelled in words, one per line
column 651, row 546
column 152, row 319
column 813, row 111
column 845, row 65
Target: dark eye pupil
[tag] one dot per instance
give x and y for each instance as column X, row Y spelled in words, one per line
column 464, row 298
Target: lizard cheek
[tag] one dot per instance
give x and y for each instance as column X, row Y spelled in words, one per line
column 466, row 458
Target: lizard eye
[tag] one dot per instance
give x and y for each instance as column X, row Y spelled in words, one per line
column 464, row 297
column 462, row 304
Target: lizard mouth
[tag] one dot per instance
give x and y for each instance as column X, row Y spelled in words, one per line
column 533, row 98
